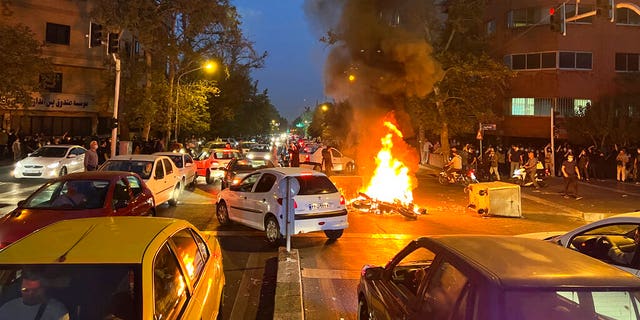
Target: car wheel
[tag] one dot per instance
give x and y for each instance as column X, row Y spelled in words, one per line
column 209, row 178
column 222, row 213
column 363, row 310
column 272, row 230
column 63, row 171
column 175, row 195
column 333, row 234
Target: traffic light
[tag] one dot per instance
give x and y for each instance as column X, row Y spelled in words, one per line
column 95, row 35
column 113, row 123
column 114, row 42
column 606, row 8
column 557, row 19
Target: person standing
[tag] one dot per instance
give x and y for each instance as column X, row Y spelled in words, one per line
column 493, row 164
column 16, row 148
column 636, row 167
column 103, row 152
column 621, row 166
column 571, row 175
column 530, row 167
column 91, row 157
column 294, row 155
column 327, row 163
column 583, row 164
column 426, row 149
column 515, row 158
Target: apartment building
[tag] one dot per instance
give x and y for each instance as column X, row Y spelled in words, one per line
column 565, row 70
column 70, row 103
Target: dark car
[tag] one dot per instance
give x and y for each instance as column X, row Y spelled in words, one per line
column 78, row 195
column 237, row 169
column 495, row 278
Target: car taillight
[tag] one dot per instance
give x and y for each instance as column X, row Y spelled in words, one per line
column 307, row 158
column 342, row 200
column 281, row 201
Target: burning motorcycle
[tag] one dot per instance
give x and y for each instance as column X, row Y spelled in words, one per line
column 465, row 178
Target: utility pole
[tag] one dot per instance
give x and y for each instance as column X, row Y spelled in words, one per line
column 553, row 149
column 116, row 96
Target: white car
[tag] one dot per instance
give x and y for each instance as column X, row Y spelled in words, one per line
column 593, row 239
column 256, row 202
column 186, row 167
column 311, row 157
column 260, row 151
column 158, row 172
column 51, row 161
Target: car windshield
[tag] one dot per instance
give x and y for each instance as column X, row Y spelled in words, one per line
column 50, row 152
column 225, row 154
column 177, row 159
column 570, row 304
column 310, row 148
column 260, row 148
column 70, row 194
column 315, row 185
column 141, row 167
column 108, row 291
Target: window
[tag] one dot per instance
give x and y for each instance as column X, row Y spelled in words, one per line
column 159, row 170
column 444, row 290
column 135, row 185
column 168, row 168
column 265, row 183
column 491, row 27
column 57, row 33
column 410, row 272
column 626, row 16
column 523, row 17
column 627, row 62
column 169, row 286
column 575, row 60
column 533, row 61
column 247, row 183
column 518, row 62
column 51, row 82
column 548, row 60
column 190, row 254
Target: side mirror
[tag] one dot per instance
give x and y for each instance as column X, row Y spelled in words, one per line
column 234, row 187
column 21, row 203
column 374, row 273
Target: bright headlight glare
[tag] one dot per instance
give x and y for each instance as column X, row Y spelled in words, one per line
column 18, row 164
column 53, row 165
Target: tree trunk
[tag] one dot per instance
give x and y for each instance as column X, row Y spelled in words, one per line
column 147, row 91
column 444, row 129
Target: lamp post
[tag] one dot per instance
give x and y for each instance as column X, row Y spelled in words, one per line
column 211, row 66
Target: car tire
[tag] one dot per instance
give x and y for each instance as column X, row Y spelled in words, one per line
column 363, row 310
column 63, row 171
column 222, row 213
column 209, row 178
column 175, row 195
column 272, row 230
column 333, row 234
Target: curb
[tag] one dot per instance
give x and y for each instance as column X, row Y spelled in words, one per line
column 288, row 300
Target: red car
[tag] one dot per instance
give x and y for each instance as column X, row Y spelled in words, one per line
column 210, row 162
column 78, row 195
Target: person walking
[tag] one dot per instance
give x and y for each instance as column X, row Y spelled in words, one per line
column 327, row 163
column 91, row 157
column 294, row 155
column 621, row 166
column 493, row 164
column 571, row 175
column 530, row 167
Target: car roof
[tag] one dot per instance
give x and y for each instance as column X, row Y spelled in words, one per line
column 294, row 171
column 515, row 262
column 90, row 240
column 61, row 146
column 138, row 157
column 167, row 153
column 90, row 175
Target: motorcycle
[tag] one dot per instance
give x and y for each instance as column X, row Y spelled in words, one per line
column 464, row 178
column 521, row 179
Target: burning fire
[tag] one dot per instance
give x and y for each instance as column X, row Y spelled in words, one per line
column 391, row 181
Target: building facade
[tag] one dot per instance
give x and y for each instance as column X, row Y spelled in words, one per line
column 565, row 70
column 70, row 104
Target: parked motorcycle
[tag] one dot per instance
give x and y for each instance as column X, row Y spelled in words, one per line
column 464, row 178
column 521, row 179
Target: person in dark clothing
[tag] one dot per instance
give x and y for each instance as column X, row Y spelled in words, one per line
column 326, row 160
column 531, row 167
column 294, row 155
column 571, row 176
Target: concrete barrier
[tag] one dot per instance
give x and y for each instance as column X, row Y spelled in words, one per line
column 288, row 300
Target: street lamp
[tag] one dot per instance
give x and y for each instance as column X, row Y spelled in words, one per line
column 210, row 66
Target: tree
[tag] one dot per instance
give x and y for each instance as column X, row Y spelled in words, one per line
column 22, row 65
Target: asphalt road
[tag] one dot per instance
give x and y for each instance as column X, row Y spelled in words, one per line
column 330, row 269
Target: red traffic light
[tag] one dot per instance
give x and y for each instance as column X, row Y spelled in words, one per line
column 552, row 11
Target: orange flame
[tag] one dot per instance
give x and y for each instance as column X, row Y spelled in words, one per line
column 391, row 181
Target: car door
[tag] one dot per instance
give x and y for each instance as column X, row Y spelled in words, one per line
column 446, row 294
column 237, row 203
column 122, row 199
column 139, row 205
column 170, row 299
column 163, row 190
column 336, row 160
column 259, row 201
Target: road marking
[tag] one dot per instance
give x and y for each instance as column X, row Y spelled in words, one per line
column 569, row 211
column 609, row 188
column 250, row 284
column 330, row 274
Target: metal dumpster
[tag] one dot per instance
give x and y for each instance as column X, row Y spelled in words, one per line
column 495, row 198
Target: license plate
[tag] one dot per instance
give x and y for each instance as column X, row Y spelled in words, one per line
column 316, row 206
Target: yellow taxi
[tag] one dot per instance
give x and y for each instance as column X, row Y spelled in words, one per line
column 116, row 268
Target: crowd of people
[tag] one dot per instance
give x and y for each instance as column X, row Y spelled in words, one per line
column 496, row 162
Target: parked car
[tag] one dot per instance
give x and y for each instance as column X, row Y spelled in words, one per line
column 119, row 268
column 595, row 239
column 78, row 195
column 185, row 165
column 51, row 161
column 158, row 172
column 210, row 161
column 495, row 277
column 237, row 169
column 256, row 202
column 311, row 156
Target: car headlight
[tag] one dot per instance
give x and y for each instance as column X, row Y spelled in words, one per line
column 18, row 164
column 250, row 156
column 53, row 165
column 268, row 157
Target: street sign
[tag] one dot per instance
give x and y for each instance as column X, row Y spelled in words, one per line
column 479, row 135
column 488, row 126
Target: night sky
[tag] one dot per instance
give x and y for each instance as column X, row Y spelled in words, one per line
column 293, row 70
